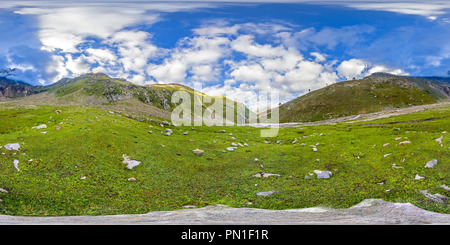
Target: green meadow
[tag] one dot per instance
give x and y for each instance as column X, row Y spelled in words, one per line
column 75, row 167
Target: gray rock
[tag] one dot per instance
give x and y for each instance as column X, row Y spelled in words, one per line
column 198, row 152
column 431, row 163
column 231, row 148
column 40, row 126
column 322, row 174
column 165, row 123
column 130, row 163
column 265, row 175
column 418, row 177
column 12, row 147
column 186, row 133
column 435, row 197
column 222, row 131
column 16, row 164
column 267, row 193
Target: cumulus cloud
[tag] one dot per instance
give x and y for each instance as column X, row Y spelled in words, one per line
column 351, row 68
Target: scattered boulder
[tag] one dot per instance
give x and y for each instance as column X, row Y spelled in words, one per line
column 265, row 175
column 186, row 133
column 16, row 164
column 439, row 140
column 435, row 197
column 231, row 148
column 431, row 163
column 267, row 193
column 198, row 152
column 445, row 187
column 418, row 177
column 222, row 131
column 322, row 174
column 12, row 147
column 130, row 163
column 3, row 190
column 404, row 142
column 165, row 123
column 168, row 132
column 40, row 126
column 132, row 179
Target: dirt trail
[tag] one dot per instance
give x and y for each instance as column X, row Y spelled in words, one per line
column 367, row 117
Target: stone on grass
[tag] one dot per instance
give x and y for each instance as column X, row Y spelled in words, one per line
column 231, row 148
column 12, row 147
column 16, row 164
column 198, row 152
column 130, row 163
column 431, row 163
column 404, row 142
column 435, row 197
column 265, row 175
column 322, row 174
column 418, row 177
column 439, row 140
column 186, row 133
column 267, row 193
column 40, row 126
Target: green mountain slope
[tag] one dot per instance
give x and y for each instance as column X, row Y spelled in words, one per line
column 370, row 94
column 97, row 89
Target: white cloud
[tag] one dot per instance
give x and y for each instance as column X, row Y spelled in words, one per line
column 65, row 28
column 430, row 9
column 169, row 72
column 77, row 65
column 245, row 44
column 381, row 68
column 101, row 56
column 351, row 68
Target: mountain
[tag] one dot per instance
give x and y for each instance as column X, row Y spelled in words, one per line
column 98, row 89
column 374, row 93
column 10, row 89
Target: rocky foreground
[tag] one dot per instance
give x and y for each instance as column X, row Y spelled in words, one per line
column 368, row 212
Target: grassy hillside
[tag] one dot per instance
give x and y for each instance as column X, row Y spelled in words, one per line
column 371, row 94
column 75, row 167
column 97, row 89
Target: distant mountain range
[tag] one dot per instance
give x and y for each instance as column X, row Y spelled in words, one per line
column 97, row 89
column 374, row 93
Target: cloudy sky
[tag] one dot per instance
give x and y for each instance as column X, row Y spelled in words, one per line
column 232, row 48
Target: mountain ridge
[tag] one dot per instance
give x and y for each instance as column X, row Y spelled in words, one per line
column 98, row 89
column 373, row 93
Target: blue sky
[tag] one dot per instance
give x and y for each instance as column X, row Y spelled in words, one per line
column 231, row 48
